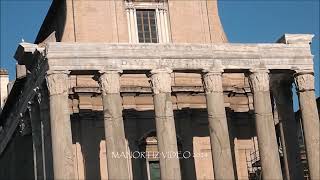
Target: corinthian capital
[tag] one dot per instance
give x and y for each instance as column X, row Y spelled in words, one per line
column 109, row 81
column 259, row 80
column 57, row 82
column 304, row 81
column 212, row 81
column 161, row 80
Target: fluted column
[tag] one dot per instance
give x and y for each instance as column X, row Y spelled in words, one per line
column 310, row 120
column 282, row 91
column 58, row 86
column 116, row 145
column 166, row 132
column 218, row 126
column 267, row 142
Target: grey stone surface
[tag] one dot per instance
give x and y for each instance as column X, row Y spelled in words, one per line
column 116, row 144
column 267, row 142
column 62, row 150
column 218, row 126
column 296, row 38
column 97, row 56
column 166, row 132
column 310, row 120
column 282, row 92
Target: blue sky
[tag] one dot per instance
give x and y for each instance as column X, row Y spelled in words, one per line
column 245, row 21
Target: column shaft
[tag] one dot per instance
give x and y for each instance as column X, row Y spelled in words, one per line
column 116, row 145
column 61, row 134
column 310, row 121
column 36, row 139
column 218, row 126
column 267, row 142
column 46, row 134
column 284, row 104
column 165, row 125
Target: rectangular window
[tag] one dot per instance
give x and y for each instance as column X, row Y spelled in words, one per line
column 147, row 26
column 154, row 170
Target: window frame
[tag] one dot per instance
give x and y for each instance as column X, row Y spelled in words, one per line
column 162, row 28
column 149, row 26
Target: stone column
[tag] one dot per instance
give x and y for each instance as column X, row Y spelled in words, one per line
column 116, row 145
column 282, row 92
column 310, row 120
column 34, row 112
column 58, row 86
column 218, row 126
column 267, row 142
column 166, row 132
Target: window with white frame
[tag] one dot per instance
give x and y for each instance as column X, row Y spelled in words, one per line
column 147, row 21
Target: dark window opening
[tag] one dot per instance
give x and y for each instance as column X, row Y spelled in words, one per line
column 147, row 26
column 154, row 167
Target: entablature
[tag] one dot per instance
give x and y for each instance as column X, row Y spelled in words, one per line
column 294, row 55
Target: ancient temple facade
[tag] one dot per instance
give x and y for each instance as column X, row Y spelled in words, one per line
column 151, row 89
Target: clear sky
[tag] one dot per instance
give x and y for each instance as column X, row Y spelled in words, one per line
column 245, row 21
